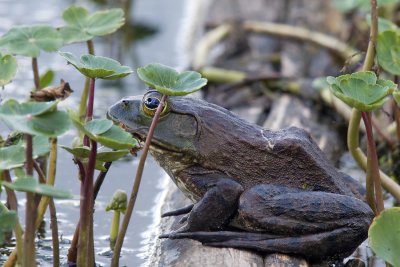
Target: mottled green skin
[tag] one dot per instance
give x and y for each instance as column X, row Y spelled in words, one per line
column 271, row 191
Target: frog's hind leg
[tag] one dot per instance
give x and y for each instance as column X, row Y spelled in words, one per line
column 312, row 224
column 314, row 247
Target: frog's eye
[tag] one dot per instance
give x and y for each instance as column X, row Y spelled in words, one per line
column 150, row 105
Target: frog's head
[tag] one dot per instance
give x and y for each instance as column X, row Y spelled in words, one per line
column 176, row 130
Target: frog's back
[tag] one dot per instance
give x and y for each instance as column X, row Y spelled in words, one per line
column 252, row 155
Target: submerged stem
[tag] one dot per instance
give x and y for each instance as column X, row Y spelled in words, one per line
column 136, row 184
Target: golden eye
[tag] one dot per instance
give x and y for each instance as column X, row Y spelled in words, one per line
column 150, row 105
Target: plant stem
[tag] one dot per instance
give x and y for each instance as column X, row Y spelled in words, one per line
column 114, row 228
column 85, row 92
column 136, row 184
column 44, row 201
column 12, row 199
column 35, row 69
column 72, row 251
column 373, row 164
column 89, row 112
column 54, row 233
column 85, row 256
column 29, row 258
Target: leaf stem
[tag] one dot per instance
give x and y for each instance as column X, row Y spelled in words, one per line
column 373, row 165
column 54, row 233
column 72, row 251
column 35, row 69
column 44, row 201
column 85, row 91
column 136, row 184
column 12, row 199
column 29, row 258
column 85, row 257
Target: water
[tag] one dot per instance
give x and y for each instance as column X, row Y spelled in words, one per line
column 166, row 17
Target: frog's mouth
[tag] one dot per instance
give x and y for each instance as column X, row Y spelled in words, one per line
column 141, row 137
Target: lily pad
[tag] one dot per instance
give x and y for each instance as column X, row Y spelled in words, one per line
column 30, row 40
column 36, row 118
column 82, row 26
column 114, row 137
column 97, row 67
column 170, row 82
column 384, row 236
column 8, row 68
column 388, row 51
column 30, row 184
column 361, row 90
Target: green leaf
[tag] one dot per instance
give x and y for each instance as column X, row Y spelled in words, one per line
column 82, row 27
column 30, row 40
column 36, row 118
column 361, row 90
column 47, row 78
column 114, row 137
column 117, row 138
column 384, row 235
column 84, row 152
column 396, row 97
column 98, row 126
column 170, row 82
column 29, row 184
column 11, row 157
column 8, row 68
column 388, row 51
column 97, row 67
column 8, row 219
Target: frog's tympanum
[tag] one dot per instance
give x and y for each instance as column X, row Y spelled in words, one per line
column 269, row 191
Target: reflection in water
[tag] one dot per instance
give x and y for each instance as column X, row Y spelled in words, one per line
column 161, row 21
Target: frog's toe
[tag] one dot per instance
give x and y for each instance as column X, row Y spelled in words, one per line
column 177, row 212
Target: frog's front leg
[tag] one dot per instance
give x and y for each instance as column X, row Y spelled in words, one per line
column 218, row 199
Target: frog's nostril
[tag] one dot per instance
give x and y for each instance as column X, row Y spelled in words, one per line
column 125, row 103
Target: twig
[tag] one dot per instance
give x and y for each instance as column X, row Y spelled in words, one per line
column 136, row 184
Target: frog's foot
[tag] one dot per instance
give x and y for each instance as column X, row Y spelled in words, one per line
column 177, row 212
column 314, row 247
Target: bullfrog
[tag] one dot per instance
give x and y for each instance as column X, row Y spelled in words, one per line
column 252, row 188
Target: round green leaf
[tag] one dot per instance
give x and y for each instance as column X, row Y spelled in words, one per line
column 361, row 90
column 97, row 67
column 36, row 118
column 29, row 184
column 8, row 68
column 82, row 27
column 98, row 126
column 384, row 236
column 388, row 51
column 29, row 40
column 170, row 82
